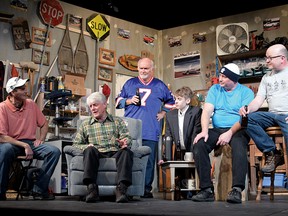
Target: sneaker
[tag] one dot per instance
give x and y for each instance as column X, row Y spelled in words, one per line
column 234, row 196
column 121, row 196
column 147, row 194
column 204, row 196
column 93, row 193
column 272, row 160
column 38, row 196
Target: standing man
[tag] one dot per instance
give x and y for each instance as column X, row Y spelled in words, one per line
column 222, row 104
column 19, row 119
column 274, row 89
column 156, row 99
column 102, row 136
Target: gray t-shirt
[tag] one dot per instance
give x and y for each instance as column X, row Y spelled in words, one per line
column 274, row 88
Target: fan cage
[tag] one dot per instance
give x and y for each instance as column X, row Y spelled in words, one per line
column 230, row 38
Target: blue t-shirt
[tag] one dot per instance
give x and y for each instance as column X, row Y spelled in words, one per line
column 227, row 104
column 155, row 96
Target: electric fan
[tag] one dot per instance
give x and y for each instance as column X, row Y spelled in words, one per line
column 230, row 38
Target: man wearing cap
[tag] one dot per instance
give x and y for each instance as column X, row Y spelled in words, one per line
column 222, row 104
column 19, row 119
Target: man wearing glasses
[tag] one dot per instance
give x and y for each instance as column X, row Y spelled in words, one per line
column 20, row 117
column 274, row 89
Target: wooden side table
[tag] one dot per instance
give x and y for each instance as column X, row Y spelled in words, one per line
column 168, row 176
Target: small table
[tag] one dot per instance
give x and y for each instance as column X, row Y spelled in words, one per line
column 172, row 165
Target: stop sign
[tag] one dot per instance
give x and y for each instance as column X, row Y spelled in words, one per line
column 51, row 12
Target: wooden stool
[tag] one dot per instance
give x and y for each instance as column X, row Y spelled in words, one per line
column 24, row 165
column 276, row 134
column 254, row 155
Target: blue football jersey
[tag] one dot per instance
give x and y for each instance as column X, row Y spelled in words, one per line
column 155, row 96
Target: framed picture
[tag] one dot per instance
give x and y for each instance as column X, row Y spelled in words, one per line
column 107, row 57
column 105, row 73
column 36, row 57
column 21, row 35
column 120, row 79
column 187, row 64
column 39, row 35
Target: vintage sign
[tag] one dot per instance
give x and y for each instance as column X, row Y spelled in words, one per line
column 51, row 12
column 98, row 27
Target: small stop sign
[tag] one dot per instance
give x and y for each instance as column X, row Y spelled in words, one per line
column 51, row 12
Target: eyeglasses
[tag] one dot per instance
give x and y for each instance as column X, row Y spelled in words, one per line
column 270, row 58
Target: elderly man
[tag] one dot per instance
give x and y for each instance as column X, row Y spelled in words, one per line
column 156, row 100
column 101, row 136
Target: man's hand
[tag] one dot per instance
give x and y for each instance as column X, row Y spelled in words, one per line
column 224, row 138
column 122, row 143
column 160, row 115
column 134, row 100
column 243, row 111
column 199, row 136
column 28, row 152
column 37, row 142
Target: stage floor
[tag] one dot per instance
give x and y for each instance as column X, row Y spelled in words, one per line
column 68, row 205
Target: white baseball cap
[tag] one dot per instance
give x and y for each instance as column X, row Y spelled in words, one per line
column 15, row 82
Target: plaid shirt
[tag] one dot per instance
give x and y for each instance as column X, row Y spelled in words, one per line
column 102, row 135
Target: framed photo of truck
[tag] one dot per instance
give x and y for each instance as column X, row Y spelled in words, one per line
column 39, row 36
column 37, row 54
column 105, row 73
column 107, row 57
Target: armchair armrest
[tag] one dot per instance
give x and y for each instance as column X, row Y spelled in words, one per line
column 141, row 151
column 71, row 150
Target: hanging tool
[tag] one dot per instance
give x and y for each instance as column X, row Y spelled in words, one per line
column 81, row 60
column 31, row 67
column 65, row 52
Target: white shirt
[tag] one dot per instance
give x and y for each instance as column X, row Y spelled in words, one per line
column 181, row 114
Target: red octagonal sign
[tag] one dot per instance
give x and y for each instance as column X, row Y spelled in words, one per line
column 51, row 12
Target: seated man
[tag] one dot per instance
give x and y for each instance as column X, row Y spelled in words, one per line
column 223, row 102
column 100, row 136
column 274, row 89
column 19, row 119
column 183, row 123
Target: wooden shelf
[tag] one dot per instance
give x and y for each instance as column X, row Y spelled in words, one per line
column 252, row 79
column 224, row 59
column 241, row 56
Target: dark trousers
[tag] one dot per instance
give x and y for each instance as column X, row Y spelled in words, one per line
column 124, row 163
column 239, row 144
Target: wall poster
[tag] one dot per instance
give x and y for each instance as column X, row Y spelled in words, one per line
column 187, row 64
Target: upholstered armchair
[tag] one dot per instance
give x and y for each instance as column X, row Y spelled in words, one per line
column 107, row 169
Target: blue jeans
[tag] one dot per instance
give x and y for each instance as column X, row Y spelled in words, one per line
column 258, row 122
column 149, row 177
column 48, row 153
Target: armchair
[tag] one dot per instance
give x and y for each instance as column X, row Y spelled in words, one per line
column 107, row 169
